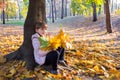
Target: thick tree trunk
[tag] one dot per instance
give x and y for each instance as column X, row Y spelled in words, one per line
column 36, row 12
column 94, row 12
column 108, row 20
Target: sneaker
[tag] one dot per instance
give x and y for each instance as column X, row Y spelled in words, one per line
column 63, row 63
column 54, row 72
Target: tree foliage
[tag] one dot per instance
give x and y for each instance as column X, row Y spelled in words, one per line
column 84, row 7
column 11, row 9
column 24, row 9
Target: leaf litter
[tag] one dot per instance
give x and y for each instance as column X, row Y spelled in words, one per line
column 95, row 56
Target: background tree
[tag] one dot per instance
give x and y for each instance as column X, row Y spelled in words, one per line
column 11, row 9
column 52, row 3
column 86, row 7
column 108, row 20
column 24, row 9
column 1, row 8
column 3, row 13
column 19, row 8
column 65, row 8
column 55, row 11
column 62, row 10
column 94, row 12
column 36, row 12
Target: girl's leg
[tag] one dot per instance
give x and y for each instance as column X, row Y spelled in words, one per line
column 61, row 57
column 52, row 58
column 61, row 52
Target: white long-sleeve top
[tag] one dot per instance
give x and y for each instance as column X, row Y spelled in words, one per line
column 39, row 54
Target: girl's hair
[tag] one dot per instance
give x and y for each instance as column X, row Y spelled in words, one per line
column 39, row 25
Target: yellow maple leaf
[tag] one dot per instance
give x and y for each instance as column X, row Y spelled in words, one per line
column 79, row 53
column 96, row 68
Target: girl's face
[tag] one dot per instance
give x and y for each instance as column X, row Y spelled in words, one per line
column 42, row 31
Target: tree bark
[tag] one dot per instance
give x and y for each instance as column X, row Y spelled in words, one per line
column 108, row 20
column 36, row 13
column 94, row 12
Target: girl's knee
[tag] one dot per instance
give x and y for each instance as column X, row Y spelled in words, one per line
column 56, row 53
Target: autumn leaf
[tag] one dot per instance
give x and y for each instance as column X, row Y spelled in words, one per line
column 11, row 72
column 79, row 53
column 2, row 59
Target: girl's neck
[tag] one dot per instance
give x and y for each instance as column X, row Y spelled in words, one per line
column 39, row 34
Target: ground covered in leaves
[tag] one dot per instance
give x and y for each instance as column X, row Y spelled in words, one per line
column 95, row 54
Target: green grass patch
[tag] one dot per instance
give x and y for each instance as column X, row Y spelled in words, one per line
column 14, row 22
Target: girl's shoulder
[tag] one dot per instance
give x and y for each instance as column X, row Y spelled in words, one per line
column 35, row 35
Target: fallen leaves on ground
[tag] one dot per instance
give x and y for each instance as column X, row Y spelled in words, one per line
column 94, row 58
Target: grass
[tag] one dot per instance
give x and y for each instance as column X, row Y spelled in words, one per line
column 14, row 22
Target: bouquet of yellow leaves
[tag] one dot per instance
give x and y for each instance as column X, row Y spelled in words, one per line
column 53, row 42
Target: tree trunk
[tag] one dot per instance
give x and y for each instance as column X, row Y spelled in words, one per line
column 18, row 3
column 65, row 8
column 94, row 12
column 104, row 8
column 70, row 12
column 19, row 13
column 74, row 13
column 3, row 17
column 50, row 12
column 7, row 17
column 3, row 13
column 55, row 9
column 62, row 10
column 108, row 20
column 99, row 12
column 112, row 6
column 52, row 3
column 36, row 12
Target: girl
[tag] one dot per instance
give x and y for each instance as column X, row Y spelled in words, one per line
column 46, row 57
